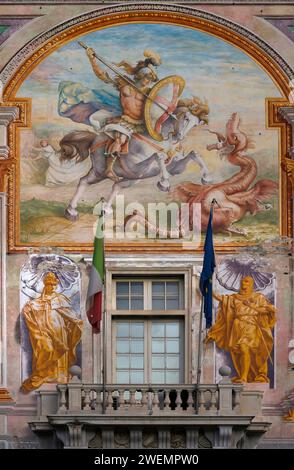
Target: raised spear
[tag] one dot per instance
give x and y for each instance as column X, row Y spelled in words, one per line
column 127, row 80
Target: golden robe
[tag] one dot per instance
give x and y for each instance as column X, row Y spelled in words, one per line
column 238, row 324
column 54, row 336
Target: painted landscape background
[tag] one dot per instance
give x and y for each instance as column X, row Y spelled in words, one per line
column 212, row 69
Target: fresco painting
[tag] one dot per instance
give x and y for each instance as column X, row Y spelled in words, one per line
column 260, row 337
column 181, row 119
column 50, row 320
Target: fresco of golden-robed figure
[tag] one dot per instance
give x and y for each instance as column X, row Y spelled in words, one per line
column 54, row 335
column 243, row 328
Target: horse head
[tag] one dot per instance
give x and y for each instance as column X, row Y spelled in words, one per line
column 189, row 113
column 76, row 145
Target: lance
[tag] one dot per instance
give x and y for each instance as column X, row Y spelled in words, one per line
column 127, row 80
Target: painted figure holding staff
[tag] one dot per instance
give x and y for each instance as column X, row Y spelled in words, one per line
column 243, row 327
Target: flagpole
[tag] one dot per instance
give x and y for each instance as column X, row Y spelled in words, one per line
column 103, row 317
column 104, row 353
column 199, row 358
column 200, row 347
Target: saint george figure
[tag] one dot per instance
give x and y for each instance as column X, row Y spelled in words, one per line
column 243, row 328
column 54, row 335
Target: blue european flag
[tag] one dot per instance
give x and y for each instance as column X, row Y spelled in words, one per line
column 207, row 272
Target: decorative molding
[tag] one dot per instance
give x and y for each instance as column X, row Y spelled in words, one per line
column 8, row 114
column 5, row 397
column 288, row 167
column 111, row 2
column 287, row 113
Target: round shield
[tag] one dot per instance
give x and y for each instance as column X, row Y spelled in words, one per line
column 161, row 103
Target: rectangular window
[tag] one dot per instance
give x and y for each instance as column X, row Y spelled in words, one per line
column 149, row 294
column 165, row 295
column 165, row 361
column 148, row 351
column 129, row 295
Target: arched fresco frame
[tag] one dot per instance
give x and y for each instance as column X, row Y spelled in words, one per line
column 33, row 53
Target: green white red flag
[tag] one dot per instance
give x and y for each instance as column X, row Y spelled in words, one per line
column 94, row 304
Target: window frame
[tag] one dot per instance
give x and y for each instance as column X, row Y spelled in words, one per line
column 148, row 322
column 191, row 303
column 147, row 293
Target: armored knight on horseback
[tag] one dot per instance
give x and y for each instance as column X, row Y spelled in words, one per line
column 133, row 91
column 147, row 121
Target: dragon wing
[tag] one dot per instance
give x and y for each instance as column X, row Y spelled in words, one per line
column 262, row 191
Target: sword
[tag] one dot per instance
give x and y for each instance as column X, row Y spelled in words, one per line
column 127, row 80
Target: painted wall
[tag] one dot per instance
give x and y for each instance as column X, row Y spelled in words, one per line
column 218, row 79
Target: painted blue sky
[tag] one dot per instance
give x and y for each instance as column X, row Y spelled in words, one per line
column 213, row 69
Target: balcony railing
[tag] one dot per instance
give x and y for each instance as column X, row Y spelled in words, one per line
column 224, row 398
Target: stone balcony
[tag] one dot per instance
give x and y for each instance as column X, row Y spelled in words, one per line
column 80, row 415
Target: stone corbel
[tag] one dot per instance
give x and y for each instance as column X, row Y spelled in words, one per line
column 8, row 114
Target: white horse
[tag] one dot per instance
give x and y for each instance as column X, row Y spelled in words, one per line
column 145, row 159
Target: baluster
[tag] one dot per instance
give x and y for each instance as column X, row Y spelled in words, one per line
column 62, row 398
column 121, row 400
column 167, row 400
column 155, row 401
column 144, row 400
column 190, row 401
column 201, row 401
column 87, row 399
column 109, row 402
column 98, row 401
column 213, row 400
column 132, row 398
column 178, row 400
column 93, row 399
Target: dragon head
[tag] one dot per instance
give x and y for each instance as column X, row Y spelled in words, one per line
column 234, row 141
column 234, row 136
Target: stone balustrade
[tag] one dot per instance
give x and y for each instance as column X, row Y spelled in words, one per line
column 224, row 398
column 87, row 410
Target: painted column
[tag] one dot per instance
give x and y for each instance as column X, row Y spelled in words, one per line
column 4, row 394
column 7, row 115
column 287, row 113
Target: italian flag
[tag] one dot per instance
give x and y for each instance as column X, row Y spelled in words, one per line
column 94, row 304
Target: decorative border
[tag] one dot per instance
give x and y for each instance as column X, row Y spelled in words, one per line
column 38, row 49
column 93, row 2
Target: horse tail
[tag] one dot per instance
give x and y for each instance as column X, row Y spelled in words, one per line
column 76, row 145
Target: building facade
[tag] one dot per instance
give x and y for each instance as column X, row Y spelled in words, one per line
column 159, row 110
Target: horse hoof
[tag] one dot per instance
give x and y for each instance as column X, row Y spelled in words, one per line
column 162, row 187
column 69, row 216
